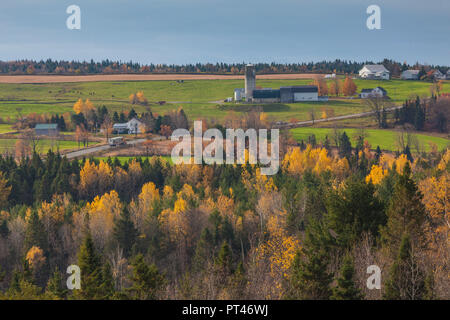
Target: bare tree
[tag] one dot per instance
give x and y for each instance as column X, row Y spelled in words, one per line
column 378, row 105
column 32, row 139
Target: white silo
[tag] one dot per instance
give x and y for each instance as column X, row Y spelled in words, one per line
column 250, row 81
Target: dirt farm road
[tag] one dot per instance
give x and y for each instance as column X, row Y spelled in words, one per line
column 348, row 116
column 88, row 151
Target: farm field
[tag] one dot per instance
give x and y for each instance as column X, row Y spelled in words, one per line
column 43, row 145
column 4, row 128
column 386, row 139
column 199, row 98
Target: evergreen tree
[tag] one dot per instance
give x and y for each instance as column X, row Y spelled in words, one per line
column 405, row 214
column 91, row 271
column 310, row 279
column 55, row 288
column 345, row 147
column 224, row 258
column 116, row 118
column 125, row 233
column 406, row 279
column 346, row 287
column 353, row 210
column 35, row 233
column 147, row 280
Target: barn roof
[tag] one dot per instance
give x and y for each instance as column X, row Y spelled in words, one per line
column 46, row 126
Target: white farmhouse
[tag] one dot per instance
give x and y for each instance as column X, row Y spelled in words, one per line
column 438, row 75
column 410, row 75
column 133, row 126
column 378, row 92
column 374, row 71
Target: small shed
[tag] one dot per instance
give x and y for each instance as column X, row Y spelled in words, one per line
column 46, row 129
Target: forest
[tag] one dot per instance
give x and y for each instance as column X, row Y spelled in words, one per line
column 50, row 66
column 147, row 229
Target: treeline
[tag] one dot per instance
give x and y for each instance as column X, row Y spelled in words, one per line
column 50, row 66
column 425, row 114
column 145, row 229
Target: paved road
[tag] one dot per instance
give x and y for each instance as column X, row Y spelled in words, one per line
column 348, row 116
column 88, row 151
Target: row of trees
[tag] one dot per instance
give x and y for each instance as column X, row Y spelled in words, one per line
column 106, row 66
column 335, row 87
column 145, row 229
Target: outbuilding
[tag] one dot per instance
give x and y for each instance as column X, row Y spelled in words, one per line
column 46, row 129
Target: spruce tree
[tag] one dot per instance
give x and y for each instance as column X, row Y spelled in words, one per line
column 125, row 233
column 405, row 214
column 310, row 279
column 345, row 146
column 346, row 287
column 147, row 281
column 35, row 233
column 91, row 271
column 55, row 288
column 406, row 279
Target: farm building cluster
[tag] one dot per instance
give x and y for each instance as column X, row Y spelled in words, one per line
column 268, row 95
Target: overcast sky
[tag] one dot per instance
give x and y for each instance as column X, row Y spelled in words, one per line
column 190, row 31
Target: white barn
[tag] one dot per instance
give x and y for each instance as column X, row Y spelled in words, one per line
column 374, row 71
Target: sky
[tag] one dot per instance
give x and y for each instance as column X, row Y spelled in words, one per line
column 251, row 31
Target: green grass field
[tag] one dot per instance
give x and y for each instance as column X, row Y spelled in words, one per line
column 197, row 97
column 43, row 145
column 5, row 128
column 386, row 139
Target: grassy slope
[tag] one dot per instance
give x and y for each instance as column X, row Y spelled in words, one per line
column 386, row 139
column 195, row 96
column 43, row 145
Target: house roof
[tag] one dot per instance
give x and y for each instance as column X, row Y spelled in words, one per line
column 376, row 68
column 46, row 126
column 411, row 71
column 382, row 89
column 366, row 90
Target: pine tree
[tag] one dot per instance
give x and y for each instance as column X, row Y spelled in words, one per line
column 353, row 210
column 310, row 279
column 405, row 214
column 345, row 146
column 147, row 280
column 35, row 233
column 91, row 271
column 55, row 288
column 346, row 287
column 406, row 279
column 125, row 233
column 224, row 258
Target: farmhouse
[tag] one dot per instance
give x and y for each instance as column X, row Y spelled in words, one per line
column 378, row 92
column 410, row 75
column 438, row 75
column 131, row 127
column 374, row 71
column 46, row 129
column 448, row 74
